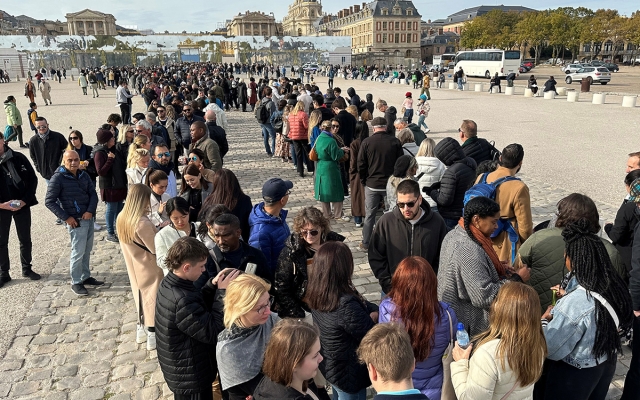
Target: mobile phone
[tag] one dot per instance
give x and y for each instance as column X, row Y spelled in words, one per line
column 554, row 297
column 251, row 268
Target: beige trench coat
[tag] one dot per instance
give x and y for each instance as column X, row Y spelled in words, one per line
column 144, row 273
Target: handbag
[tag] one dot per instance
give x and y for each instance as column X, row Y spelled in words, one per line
column 448, row 393
column 313, row 154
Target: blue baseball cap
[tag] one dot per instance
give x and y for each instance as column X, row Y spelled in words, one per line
column 275, row 189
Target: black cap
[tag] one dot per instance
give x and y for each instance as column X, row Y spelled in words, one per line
column 275, row 189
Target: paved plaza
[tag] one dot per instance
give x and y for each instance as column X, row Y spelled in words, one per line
column 55, row 345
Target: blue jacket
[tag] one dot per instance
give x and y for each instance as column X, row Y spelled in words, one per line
column 77, row 194
column 571, row 333
column 428, row 374
column 268, row 233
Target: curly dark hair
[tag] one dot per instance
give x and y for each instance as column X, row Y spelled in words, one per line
column 593, row 269
column 313, row 216
column 481, row 206
column 577, row 206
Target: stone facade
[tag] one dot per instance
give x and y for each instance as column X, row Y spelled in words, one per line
column 253, row 24
column 302, row 18
column 382, row 32
column 455, row 22
column 89, row 22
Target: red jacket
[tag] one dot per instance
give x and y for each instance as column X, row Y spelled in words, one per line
column 299, row 126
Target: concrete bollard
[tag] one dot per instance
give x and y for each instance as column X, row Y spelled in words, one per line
column 465, row 86
column 598, row 98
column 494, row 90
column 510, row 91
column 573, row 96
column 562, row 91
column 17, row 78
column 452, row 86
column 478, row 87
column 528, row 92
column 629, row 101
column 549, row 95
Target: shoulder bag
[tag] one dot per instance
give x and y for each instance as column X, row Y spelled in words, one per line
column 448, row 393
column 313, row 154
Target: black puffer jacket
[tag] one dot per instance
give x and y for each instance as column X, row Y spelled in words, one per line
column 478, row 149
column 621, row 231
column 390, row 115
column 341, row 332
column 187, row 327
column 291, row 276
column 269, row 390
column 457, row 179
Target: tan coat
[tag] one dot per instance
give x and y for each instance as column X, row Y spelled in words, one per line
column 144, row 273
column 515, row 204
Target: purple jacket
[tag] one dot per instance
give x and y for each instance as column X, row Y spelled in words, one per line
column 428, row 375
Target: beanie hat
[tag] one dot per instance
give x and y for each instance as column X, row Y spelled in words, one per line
column 103, row 136
column 401, row 166
column 408, row 94
column 423, row 97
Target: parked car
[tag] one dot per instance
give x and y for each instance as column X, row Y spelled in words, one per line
column 529, row 64
column 571, row 68
column 612, row 67
column 593, row 74
column 524, row 68
column 310, row 67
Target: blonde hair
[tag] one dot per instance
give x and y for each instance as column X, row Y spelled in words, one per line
column 388, row 348
column 242, row 295
column 405, row 136
column 287, row 110
column 137, row 205
column 171, row 112
column 427, row 148
column 366, row 116
column 298, row 107
column 353, row 110
column 514, row 318
column 137, row 155
column 314, row 119
column 137, row 143
column 122, row 135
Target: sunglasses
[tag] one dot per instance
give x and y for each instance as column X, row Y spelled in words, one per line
column 131, row 131
column 165, row 154
column 73, row 138
column 409, row 204
column 186, row 110
column 139, row 130
column 194, row 158
column 335, row 126
column 312, row 233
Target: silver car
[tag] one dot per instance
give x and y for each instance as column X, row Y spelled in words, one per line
column 571, row 68
column 593, row 74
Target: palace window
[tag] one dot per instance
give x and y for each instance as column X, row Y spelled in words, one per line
column 384, row 38
column 384, row 26
column 408, row 38
column 397, row 24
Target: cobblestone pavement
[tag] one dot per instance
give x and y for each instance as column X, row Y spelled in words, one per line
column 84, row 348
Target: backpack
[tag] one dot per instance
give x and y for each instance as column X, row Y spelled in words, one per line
column 262, row 112
column 277, row 123
column 484, row 189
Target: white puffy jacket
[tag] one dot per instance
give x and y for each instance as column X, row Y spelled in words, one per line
column 432, row 170
column 482, row 377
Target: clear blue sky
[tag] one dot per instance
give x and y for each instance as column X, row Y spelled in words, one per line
column 172, row 15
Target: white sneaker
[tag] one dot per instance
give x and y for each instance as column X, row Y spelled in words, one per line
column 151, row 340
column 141, row 334
column 97, row 226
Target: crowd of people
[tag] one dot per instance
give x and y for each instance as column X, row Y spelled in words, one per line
column 237, row 303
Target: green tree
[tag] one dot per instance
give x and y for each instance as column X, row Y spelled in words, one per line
column 632, row 28
column 532, row 30
column 494, row 29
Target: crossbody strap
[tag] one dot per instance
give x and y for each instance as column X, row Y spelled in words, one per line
column 510, row 391
column 450, row 326
column 605, row 304
column 143, row 247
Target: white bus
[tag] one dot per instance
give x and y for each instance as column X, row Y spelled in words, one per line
column 486, row 62
column 443, row 60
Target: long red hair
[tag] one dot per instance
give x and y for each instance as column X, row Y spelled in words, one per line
column 414, row 292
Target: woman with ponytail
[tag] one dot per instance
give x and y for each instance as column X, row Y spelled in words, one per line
column 471, row 273
column 583, row 329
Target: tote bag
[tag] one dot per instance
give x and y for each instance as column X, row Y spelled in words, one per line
column 447, row 385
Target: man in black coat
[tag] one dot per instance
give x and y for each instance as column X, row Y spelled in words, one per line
column 318, row 104
column 390, row 114
column 17, row 195
column 457, row 179
column 188, row 320
column 411, row 229
column 216, row 133
column 477, row 148
column 632, row 381
column 183, row 125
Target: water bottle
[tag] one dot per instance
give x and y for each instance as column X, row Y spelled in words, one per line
column 15, row 204
column 462, row 336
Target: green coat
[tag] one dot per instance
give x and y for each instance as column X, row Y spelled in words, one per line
column 328, row 184
column 13, row 114
column 543, row 252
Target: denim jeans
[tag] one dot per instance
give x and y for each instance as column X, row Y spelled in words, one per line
column 372, row 200
column 357, row 219
column 421, row 122
column 113, row 209
column 460, row 84
column 340, row 395
column 451, row 222
column 408, row 115
column 269, row 131
column 81, row 246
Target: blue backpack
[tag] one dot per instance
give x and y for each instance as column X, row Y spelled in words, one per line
column 484, row 189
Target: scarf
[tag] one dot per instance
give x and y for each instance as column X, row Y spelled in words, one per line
column 243, row 352
column 487, row 246
column 156, row 165
column 9, row 167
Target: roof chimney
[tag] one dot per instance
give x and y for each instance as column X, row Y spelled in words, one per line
column 356, row 8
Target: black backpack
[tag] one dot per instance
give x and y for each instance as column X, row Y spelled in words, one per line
column 262, row 112
column 277, row 123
